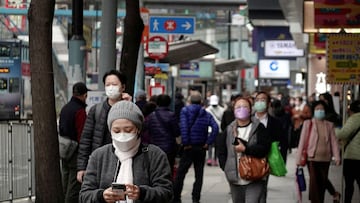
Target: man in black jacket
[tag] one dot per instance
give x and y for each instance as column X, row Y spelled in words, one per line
column 71, row 124
column 261, row 107
column 96, row 133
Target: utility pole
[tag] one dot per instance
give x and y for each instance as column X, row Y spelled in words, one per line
column 108, row 39
column 76, row 47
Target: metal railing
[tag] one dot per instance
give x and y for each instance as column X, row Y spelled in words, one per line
column 17, row 166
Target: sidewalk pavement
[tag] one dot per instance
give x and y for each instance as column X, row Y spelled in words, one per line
column 280, row 189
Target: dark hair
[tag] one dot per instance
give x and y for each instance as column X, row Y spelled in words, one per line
column 330, row 104
column 267, row 96
column 234, row 96
column 153, row 99
column 79, row 89
column 355, row 106
column 178, row 95
column 277, row 108
column 118, row 74
column 316, row 103
column 163, row 100
column 148, row 108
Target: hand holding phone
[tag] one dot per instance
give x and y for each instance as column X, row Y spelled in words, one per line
column 118, row 188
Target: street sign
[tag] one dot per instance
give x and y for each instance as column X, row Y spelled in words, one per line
column 157, row 47
column 171, row 25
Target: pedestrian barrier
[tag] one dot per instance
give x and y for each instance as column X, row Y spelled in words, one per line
column 17, row 166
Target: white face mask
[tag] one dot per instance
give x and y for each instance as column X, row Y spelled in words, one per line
column 124, row 141
column 112, row 91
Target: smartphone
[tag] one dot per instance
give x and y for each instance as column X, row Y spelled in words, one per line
column 118, row 188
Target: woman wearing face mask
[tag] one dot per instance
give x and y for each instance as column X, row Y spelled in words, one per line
column 322, row 145
column 144, row 170
column 95, row 133
column 243, row 137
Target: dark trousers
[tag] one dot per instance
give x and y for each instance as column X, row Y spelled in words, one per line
column 71, row 186
column 195, row 155
column 318, row 180
column 351, row 173
column 328, row 186
column 171, row 158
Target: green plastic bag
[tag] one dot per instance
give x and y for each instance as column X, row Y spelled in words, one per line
column 276, row 162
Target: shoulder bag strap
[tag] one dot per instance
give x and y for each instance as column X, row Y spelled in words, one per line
column 308, row 136
column 196, row 117
column 214, row 113
column 351, row 137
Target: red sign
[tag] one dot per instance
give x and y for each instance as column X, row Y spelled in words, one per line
column 170, row 25
column 156, row 90
column 337, row 13
column 157, row 47
column 25, row 69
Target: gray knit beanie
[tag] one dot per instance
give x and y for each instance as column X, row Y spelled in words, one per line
column 126, row 110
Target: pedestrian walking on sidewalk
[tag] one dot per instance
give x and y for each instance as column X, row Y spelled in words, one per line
column 349, row 134
column 318, row 136
column 194, row 123
column 217, row 112
column 140, row 172
column 95, row 133
column 71, row 123
column 163, row 128
column 244, row 136
column 273, row 125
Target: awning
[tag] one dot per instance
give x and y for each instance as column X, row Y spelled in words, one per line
column 185, row 51
column 231, row 65
column 195, row 4
column 266, row 13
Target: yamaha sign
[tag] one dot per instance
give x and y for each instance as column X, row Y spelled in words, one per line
column 282, row 48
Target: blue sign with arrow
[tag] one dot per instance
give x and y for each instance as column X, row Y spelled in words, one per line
column 171, row 25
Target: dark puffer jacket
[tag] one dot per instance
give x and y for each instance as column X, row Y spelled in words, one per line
column 194, row 123
column 94, row 135
column 163, row 128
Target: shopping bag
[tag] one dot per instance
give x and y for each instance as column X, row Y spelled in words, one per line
column 300, row 179
column 276, row 162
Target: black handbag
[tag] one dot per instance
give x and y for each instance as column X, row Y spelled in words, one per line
column 67, row 147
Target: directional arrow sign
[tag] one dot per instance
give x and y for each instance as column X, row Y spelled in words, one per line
column 171, row 25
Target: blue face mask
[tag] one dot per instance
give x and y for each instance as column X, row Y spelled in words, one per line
column 319, row 114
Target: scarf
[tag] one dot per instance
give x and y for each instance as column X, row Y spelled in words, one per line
column 125, row 175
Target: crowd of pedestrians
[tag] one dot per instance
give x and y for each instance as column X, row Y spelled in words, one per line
column 146, row 147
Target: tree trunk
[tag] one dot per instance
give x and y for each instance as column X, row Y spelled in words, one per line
column 133, row 28
column 47, row 165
